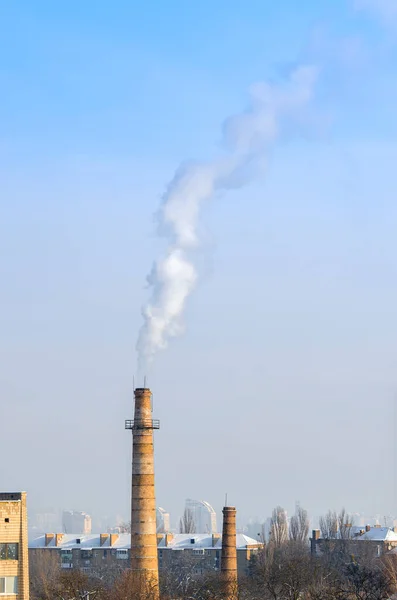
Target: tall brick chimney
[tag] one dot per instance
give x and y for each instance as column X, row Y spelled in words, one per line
column 229, row 554
column 144, row 563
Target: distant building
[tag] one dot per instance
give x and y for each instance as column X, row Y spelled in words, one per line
column 76, row 521
column 44, row 521
column 162, row 520
column 89, row 552
column 371, row 541
column 203, row 514
column 258, row 528
column 14, row 569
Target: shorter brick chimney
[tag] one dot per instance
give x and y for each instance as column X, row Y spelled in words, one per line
column 368, row 528
column 58, row 538
column 316, row 533
column 215, row 539
column 103, row 537
column 229, row 554
column 113, row 538
column 168, row 538
column 48, row 538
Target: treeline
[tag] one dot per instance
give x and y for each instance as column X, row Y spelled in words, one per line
column 288, row 572
column 284, row 569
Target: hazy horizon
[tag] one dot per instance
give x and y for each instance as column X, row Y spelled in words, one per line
column 282, row 387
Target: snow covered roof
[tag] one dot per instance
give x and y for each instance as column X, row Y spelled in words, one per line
column 378, row 534
column 381, row 534
column 86, row 541
column 179, row 541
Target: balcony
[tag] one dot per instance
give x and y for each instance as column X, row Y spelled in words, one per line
column 142, row 424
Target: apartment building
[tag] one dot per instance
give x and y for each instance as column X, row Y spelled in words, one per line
column 74, row 521
column 96, row 552
column 14, row 569
column 371, row 541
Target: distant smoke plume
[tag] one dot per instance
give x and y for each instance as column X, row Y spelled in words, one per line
column 274, row 110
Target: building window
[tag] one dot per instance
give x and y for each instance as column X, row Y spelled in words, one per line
column 66, row 558
column 8, row 585
column 86, row 554
column 8, row 551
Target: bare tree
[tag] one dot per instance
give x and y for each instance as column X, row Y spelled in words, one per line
column 74, row 584
column 345, row 523
column 44, row 572
column 288, row 572
column 279, row 527
column 336, row 530
column 366, row 582
column 108, row 573
column 262, row 534
column 336, row 525
column 179, row 579
column 132, row 586
column 329, row 525
column 187, row 523
column 283, row 572
column 299, row 526
column 389, row 567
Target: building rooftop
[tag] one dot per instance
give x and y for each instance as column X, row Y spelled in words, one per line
column 381, row 534
column 11, row 496
column 378, row 534
column 178, row 541
column 181, row 541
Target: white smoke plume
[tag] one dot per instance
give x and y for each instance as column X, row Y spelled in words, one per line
column 274, row 110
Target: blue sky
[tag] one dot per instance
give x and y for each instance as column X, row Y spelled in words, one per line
column 292, row 328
